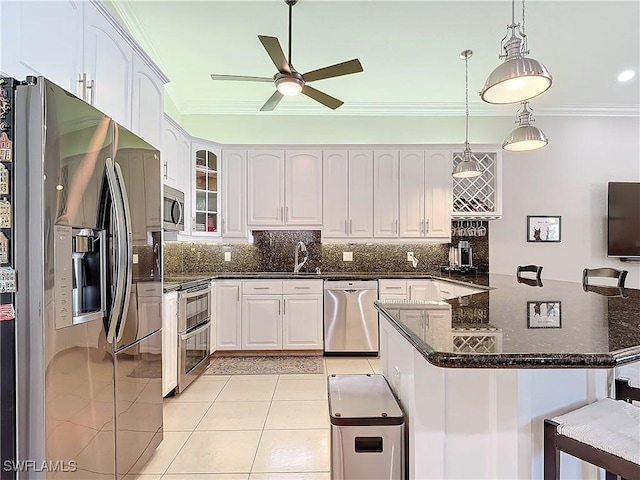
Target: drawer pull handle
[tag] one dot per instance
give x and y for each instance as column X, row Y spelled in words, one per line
column 393, row 288
column 302, row 288
column 261, row 288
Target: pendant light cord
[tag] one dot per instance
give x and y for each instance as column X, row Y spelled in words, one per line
column 466, row 82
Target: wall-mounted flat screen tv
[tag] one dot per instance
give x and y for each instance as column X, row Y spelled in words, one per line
column 623, row 239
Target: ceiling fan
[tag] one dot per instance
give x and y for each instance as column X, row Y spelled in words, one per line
column 288, row 81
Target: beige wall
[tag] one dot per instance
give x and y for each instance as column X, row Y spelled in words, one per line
column 568, row 178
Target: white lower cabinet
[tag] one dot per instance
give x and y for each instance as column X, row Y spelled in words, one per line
column 169, row 342
column 302, row 322
column 275, row 315
column 228, row 315
column 422, row 290
column 262, row 322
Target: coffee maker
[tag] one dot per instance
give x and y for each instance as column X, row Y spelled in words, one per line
column 465, row 253
column 460, row 256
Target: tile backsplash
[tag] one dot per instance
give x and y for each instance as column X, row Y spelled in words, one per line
column 273, row 251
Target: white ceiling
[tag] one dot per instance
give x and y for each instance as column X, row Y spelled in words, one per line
column 409, row 51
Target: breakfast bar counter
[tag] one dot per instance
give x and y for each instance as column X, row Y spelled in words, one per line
column 477, row 375
column 517, row 325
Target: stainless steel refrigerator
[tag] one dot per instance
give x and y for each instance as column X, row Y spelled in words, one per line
column 88, row 237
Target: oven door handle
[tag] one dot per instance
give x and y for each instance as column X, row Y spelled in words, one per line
column 186, row 336
column 196, row 293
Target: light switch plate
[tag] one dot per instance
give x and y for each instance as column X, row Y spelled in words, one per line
column 409, row 256
column 347, row 256
column 227, row 256
column 134, row 258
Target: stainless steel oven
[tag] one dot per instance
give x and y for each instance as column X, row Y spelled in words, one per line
column 173, row 209
column 194, row 324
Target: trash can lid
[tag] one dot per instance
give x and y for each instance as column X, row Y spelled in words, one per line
column 362, row 400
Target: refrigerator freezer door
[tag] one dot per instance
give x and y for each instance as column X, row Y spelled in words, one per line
column 138, row 403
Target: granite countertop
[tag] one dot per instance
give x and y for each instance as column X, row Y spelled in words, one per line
column 515, row 325
column 173, row 283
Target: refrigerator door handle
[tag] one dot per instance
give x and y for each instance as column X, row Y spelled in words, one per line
column 127, row 250
column 117, row 305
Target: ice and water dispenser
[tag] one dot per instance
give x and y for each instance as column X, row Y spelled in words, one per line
column 80, row 270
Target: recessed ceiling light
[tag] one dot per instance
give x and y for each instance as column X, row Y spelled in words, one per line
column 626, row 75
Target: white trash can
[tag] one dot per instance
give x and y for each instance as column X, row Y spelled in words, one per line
column 367, row 429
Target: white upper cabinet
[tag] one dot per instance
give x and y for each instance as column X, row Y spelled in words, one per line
column 148, row 103
column 284, row 188
column 335, row 197
column 265, row 187
column 205, row 205
column 173, row 163
column 303, row 187
column 425, row 194
column 233, row 185
column 438, row 196
column 411, row 193
column 361, row 194
column 108, row 64
column 42, row 38
column 348, row 194
column 80, row 46
column 385, row 194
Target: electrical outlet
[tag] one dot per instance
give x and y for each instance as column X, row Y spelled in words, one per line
column 347, row 256
column 409, row 256
column 227, row 256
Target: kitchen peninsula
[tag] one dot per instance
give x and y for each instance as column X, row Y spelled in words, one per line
column 477, row 375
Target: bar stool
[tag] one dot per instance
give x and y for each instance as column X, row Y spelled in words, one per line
column 533, row 282
column 604, row 433
column 604, row 272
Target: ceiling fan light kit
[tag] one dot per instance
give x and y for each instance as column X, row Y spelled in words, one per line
column 467, row 168
column 288, row 81
column 289, row 85
column 525, row 136
column 519, row 78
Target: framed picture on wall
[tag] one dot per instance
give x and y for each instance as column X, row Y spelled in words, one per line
column 543, row 229
column 544, row 314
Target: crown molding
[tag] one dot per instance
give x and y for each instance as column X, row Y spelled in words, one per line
column 133, row 29
column 408, row 109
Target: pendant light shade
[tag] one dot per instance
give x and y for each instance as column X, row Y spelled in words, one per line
column 467, row 168
column 525, row 136
column 519, row 78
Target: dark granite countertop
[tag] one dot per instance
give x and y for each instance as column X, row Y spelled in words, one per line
column 515, row 325
column 173, row 283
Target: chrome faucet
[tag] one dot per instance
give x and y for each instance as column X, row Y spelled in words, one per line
column 300, row 246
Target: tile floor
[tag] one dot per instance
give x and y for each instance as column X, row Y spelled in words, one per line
column 250, row 427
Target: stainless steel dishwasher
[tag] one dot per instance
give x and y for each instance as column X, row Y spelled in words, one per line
column 350, row 319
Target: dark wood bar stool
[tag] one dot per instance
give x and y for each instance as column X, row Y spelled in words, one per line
column 604, row 433
column 533, row 282
column 604, row 272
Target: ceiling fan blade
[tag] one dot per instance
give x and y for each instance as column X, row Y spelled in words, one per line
column 321, row 97
column 272, row 102
column 273, row 48
column 245, row 78
column 337, row 70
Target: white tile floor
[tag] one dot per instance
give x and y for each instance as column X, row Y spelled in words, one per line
column 250, row 427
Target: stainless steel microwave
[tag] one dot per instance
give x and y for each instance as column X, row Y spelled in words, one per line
column 173, row 209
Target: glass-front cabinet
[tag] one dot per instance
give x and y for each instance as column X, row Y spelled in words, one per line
column 206, row 194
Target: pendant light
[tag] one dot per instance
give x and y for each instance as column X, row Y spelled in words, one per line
column 518, row 78
column 467, row 168
column 525, row 136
